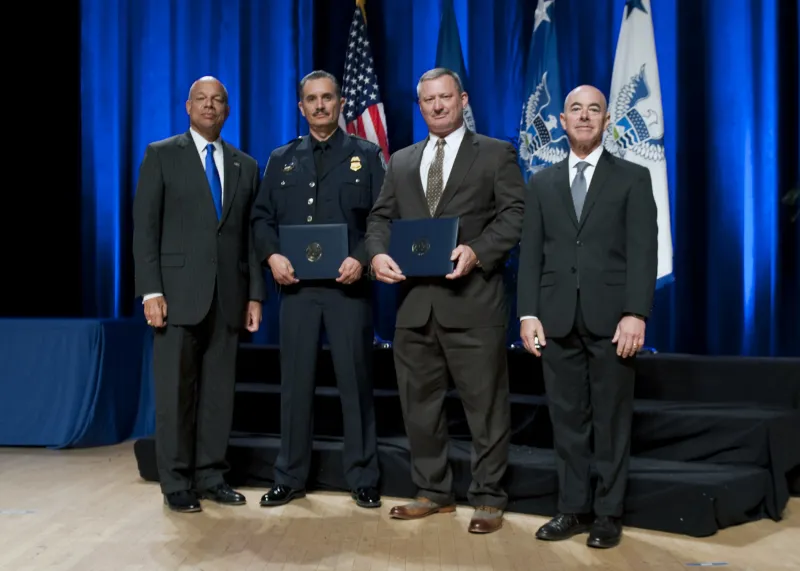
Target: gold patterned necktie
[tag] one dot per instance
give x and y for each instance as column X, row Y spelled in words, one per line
column 436, row 178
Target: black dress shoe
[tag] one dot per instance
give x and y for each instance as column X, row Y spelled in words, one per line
column 184, row 501
column 367, row 497
column 223, row 494
column 564, row 526
column 280, row 495
column 606, row 532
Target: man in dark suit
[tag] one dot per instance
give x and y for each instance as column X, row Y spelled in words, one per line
column 192, row 249
column 326, row 177
column 587, row 274
column 455, row 324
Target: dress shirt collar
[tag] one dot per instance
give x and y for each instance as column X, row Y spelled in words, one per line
column 332, row 142
column 592, row 159
column 201, row 143
column 453, row 139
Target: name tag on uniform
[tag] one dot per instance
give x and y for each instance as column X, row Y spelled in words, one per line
column 423, row 247
column 316, row 251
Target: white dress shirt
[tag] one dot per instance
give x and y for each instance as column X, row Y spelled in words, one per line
column 451, row 146
column 219, row 160
column 200, row 144
column 588, row 173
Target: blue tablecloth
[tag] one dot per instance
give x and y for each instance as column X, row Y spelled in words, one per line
column 74, row 382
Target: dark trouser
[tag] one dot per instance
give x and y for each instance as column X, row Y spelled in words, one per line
column 194, row 368
column 590, row 390
column 348, row 323
column 476, row 359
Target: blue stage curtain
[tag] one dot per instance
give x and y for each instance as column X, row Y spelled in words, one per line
column 729, row 80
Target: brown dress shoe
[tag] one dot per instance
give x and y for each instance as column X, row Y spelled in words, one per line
column 486, row 519
column 419, row 508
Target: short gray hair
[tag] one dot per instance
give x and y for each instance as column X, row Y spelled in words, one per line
column 436, row 73
column 319, row 74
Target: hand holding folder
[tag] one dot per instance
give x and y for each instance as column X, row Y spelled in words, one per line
column 424, row 247
column 317, row 251
column 386, row 269
column 465, row 259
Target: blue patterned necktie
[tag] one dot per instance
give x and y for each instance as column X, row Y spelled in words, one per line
column 213, row 179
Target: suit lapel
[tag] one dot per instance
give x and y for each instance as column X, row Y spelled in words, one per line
column 467, row 153
column 599, row 179
column 562, row 175
column 417, row 189
column 232, row 168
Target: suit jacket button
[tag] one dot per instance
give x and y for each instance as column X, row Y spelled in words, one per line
column 578, row 243
column 572, row 270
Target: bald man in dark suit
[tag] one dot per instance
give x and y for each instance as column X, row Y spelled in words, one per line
column 201, row 284
column 587, row 274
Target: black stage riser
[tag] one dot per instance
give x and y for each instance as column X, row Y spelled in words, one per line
column 714, row 438
column 689, row 499
column 685, row 378
column 677, row 432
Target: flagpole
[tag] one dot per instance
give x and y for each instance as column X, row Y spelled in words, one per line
column 362, row 5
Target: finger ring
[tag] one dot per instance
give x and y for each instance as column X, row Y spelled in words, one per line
column 149, row 322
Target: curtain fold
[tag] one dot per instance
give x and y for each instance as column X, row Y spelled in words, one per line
column 729, row 79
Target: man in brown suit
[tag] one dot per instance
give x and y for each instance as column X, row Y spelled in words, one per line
column 454, row 324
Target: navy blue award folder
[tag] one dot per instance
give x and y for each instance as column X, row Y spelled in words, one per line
column 316, row 251
column 422, row 247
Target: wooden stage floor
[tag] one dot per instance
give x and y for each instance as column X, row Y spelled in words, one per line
column 88, row 510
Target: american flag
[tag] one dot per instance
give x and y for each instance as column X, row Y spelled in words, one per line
column 363, row 113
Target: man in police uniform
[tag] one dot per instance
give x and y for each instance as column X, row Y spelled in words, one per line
column 326, row 177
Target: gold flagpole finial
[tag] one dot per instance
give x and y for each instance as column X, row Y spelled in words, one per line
column 362, row 5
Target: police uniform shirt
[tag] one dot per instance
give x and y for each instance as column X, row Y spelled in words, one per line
column 322, row 149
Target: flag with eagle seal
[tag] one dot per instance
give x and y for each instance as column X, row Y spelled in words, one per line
column 636, row 129
column 542, row 141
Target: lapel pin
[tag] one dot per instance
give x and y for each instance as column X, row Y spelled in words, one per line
column 236, row 163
